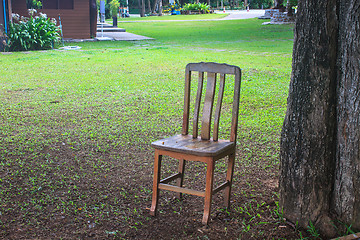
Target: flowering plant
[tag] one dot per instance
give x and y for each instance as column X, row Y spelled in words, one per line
column 34, row 33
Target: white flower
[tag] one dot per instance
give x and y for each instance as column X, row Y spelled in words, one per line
column 32, row 11
column 15, row 16
column 43, row 15
column 53, row 20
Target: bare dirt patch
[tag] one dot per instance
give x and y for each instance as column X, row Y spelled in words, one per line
column 64, row 193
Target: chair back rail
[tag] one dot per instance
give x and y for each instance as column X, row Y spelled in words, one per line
column 212, row 70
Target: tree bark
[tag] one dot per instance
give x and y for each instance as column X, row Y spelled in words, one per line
column 278, row 4
column 346, row 197
column 154, row 6
column 142, row 14
column 93, row 18
column 160, row 8
column 141, row 8
column 307, row 143
column 149, row 5
column 289, row 8
column 319, row 149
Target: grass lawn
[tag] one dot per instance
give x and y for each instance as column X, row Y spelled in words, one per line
column 174, row 17
column 75, row 130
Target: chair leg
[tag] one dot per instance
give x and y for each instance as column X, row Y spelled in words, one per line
column 229, row 175
column 179, row 181
column 155, row 196
column 208, row 191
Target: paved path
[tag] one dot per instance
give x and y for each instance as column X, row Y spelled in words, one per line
column 242, row 14
column 122, row 36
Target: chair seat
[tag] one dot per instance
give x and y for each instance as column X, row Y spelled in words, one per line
column 196, row 146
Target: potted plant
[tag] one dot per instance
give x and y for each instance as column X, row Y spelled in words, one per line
column 114, row 9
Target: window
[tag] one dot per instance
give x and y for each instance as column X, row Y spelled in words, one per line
column 50, row 4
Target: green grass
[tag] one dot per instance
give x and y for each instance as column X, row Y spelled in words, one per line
column 175, row 17
column 244, row 35
column 75, row 126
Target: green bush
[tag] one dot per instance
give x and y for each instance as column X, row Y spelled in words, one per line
column 33, row 4
column 195, row 7
column 34, row 33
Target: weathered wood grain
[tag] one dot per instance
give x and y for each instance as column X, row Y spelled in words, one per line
column 208, row 106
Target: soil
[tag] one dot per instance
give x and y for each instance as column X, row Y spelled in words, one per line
column 113, row 201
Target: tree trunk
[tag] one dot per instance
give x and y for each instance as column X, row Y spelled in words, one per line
column 142, row 13
column 319, row 150
column 154, row 6
column 160, row 8
column 141, row 8
column 346, row 197
column 289, row 8
column 93, row 18
column 114, row 21
column 278, row 4
column 149, row 5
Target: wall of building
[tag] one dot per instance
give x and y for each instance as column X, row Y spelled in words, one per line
column 1, row 14
column 75, row 22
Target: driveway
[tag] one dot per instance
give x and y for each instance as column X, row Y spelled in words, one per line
column 242, row 14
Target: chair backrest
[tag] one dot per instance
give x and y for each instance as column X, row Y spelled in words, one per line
column 212, row 70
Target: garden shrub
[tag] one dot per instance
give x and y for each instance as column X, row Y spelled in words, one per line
column 196, row 7
column 34, row 33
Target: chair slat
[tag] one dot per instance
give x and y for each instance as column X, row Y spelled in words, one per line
column 197, row 105
column 208, row 106
column 235, row 110
column 185, row 126
column 218, row 107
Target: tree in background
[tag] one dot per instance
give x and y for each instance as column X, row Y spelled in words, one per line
column 114, row 10
column 278, row 4
column 290, row 4
column 33, row 4
column 320, row 140
column 258, row 4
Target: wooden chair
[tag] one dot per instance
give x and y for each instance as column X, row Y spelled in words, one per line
column 186, row 147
